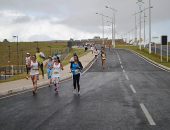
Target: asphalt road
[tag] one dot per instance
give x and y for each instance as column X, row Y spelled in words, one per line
column 130, row 94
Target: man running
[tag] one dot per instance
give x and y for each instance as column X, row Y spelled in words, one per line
column 76, row 68
column 40, row 59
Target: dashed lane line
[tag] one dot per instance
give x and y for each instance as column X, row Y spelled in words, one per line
column 147, row 114
column 132, row 88
column 126, row 76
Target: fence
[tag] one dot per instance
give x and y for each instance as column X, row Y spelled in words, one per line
column 9, row 71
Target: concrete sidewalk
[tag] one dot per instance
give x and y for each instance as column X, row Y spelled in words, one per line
column 24, row 84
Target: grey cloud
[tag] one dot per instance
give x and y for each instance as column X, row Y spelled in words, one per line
column 22, row 19
column 39, row 37
column 80, row 14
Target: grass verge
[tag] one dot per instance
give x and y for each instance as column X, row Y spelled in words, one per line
column 80, row 53
column 144, row 52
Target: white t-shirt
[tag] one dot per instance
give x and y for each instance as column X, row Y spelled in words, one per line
column 34, row 68
column 56, row 70
column 27, row 60
column 96, row 52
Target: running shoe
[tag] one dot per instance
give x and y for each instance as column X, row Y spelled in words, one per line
column 74, row 91
column 79, row 93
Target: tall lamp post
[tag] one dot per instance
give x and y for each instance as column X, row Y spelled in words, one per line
column 102, row 25
column 140, row 2
column 113, row 22
column 9, row 56
column 150, row 35
column 17, row 53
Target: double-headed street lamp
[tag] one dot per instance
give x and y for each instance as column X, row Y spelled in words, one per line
column 150, row 35
column 102, row 25
column 140, row 2
column 113, row 25
column 113, row 39
column 17, row 52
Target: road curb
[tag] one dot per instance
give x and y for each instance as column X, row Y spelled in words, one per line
column 150, row 61
column 40, row 85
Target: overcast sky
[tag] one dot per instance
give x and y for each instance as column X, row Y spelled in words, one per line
column 65, row 19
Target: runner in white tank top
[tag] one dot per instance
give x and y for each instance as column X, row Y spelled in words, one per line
column 57, row 67
column 34, row 73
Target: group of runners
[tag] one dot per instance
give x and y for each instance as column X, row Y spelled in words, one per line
column 54, row 67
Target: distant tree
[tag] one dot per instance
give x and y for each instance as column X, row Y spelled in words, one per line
column 5, row 41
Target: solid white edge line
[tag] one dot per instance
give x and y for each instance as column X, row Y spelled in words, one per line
column 148, row 61
column 132, row 88
column 147, row 114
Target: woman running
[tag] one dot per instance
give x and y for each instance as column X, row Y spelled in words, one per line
column 49, row 66
column 103, row 57
column 96, row 53
column 57, row 67
column 76, row 68
column 34, row 73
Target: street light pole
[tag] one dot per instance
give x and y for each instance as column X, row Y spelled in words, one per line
column 17, row 53
column 150, row 35
column 102, row 25
column 103, row 28
column 140, row 28
column 135, row 30
column 114, row 22
column 9, row 57
column 144, row 28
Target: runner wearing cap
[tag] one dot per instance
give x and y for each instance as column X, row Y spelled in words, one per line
column 27, row 63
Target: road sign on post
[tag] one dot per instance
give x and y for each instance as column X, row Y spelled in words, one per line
column 165, row 42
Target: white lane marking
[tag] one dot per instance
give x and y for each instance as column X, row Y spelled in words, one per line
column 123, row 71
column 132, row 88
column 147, row 114
column 149, row 61
column 122, row 66
column 127, row 78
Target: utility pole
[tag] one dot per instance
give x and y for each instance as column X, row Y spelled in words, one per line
column 150, row 28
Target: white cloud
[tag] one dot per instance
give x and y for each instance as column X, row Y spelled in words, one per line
column 62, row 19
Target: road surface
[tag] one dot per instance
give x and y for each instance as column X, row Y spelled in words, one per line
column 130, row 94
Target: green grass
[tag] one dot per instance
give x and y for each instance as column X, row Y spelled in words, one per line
column 80, row 53
column 144, row 52
column 25, row 47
